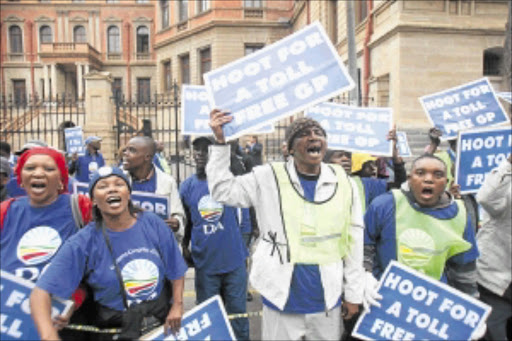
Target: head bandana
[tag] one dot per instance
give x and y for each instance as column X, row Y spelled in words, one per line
column 59, row 159
column 299, row 125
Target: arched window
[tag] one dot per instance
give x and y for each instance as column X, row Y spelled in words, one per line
column 15, row 39
column 493, row 61
column 142, row 39
column 79, row 35
column 45, row 34
column 113, row 40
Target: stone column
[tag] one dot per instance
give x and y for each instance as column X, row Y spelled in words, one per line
column 79, row 81
column 54, row 80
column 100, row 112
column 46, row 83
column 90, row 32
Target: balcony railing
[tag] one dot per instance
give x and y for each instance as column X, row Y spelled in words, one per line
column 62, row 49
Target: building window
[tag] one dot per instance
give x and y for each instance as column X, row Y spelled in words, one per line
column 164, row 8
column 113, row 40
column 167, row 76
column 15, row 39
column 185, row 69
column 117, row 88
column 253, row 3
column 203, row 5
column 205, row 56
column 112, row 1
column 182, row 10
column 20, row 95
column 142, row 1
column 79, row 35
column 251, row 48
column 493, row 61
column 45, row 34
column 143, row 90
column 142, row 42
column 361, row 10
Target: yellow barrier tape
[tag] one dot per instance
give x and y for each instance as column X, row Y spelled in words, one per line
column 193, row 293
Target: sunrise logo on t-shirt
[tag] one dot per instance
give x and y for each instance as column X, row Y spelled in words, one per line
column 38, row 245
column 140, row 277
column 209, row 209
column 416, row 247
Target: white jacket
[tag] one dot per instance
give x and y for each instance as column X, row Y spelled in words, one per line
column 166, row 185
column 494, row 266
column 271, row 272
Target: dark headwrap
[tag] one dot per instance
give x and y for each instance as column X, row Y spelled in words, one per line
column 299, row 125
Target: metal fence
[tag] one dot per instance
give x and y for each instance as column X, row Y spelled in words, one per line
column 35, row 119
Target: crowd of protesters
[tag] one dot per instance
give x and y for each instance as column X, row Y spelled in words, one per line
column 325, row 225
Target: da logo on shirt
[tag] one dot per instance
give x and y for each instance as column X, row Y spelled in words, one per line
column 140, row 277
column 416, row 247
column 38, row 245
column 209, row 209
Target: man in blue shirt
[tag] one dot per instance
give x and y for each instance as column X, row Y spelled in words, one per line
column 422, row 227
column 84, row 166
column 217, row 248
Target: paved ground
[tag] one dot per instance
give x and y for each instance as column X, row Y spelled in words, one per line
column 254, row 306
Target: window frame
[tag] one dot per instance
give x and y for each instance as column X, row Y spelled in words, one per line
column 184, row 72
column 205, row 62
column 182, row 10
column 43, row 35
column 110, row 49
column 75, row 29
column 19, row 38
column 164, row 11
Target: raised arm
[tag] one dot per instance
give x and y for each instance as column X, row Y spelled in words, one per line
column 41, row 309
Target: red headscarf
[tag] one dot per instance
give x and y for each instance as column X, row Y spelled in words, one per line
column 59, row 159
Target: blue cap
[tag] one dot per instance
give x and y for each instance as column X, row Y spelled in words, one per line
column 105, row 172
column 92, row 139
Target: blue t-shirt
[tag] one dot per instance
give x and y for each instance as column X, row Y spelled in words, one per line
column 381, row 231
column 31, row 235
column 306, row 290
column 146, row 185
column 87, row 164
column 217, row 245
column 373, row 188
column 146, row 254
column 13, row 189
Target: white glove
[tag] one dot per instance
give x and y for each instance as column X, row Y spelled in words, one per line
column 479, row 332
column 370, row 292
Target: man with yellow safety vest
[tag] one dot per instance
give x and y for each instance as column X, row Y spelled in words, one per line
column 311, row 230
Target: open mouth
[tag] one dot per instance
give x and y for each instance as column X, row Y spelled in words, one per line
column 114, row 201
column 427, row 192
column 314, row 151
column 38, row 187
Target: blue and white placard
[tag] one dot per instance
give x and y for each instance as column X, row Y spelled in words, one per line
column 478, row 152
column 158, row 204
column 81, row 188
column 354, row 129
column 16, row 322
column 417, row 307
column 74, row 140
column 207, row 321
column 506, row 96
column 278, row 81
column 469, row 106
column 403, row 146
column 195, row 113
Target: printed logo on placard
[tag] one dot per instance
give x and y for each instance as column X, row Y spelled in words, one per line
column 416, row 247
column 209, row 209
column 38, row 245
column 140, row 277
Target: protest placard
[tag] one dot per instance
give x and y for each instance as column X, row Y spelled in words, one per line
column 464, row 107
column 207, row 321
column 355, row 129
column 402, row 144
column 478, row 152
column 81, row 188
column 16, row 322
column 415, row 306
column 158, row 204
column 278, row 81
column 195, row 112
column 74, row 140
column 506, row 96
